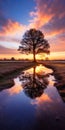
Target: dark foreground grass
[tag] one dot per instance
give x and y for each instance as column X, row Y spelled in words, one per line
column 10, row 67
column 10, row 70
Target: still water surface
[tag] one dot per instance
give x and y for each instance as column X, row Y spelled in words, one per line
column 33, row 103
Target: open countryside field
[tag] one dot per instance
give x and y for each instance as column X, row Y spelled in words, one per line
column 9, row 70
column 9, row 67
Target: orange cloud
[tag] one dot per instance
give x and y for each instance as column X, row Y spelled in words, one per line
column 12, row 29
column 57, row 44
column 39, row 19
column 48, row 17
column 54, row 33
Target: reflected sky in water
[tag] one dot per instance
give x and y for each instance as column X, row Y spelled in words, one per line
column 40, row 70
column 33, row 103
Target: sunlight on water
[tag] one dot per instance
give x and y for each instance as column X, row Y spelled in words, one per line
column 39, row 69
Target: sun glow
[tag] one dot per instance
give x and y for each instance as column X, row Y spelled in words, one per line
column 53, row 55
column 39, row 70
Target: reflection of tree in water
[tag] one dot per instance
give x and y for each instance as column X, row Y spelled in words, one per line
column 33, row 84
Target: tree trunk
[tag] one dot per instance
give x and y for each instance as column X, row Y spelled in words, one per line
column 34, row 59
column 34, row 76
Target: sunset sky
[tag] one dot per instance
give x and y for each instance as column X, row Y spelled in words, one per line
column 17, row 16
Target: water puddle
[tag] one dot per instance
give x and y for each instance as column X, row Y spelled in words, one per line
column 32, row 103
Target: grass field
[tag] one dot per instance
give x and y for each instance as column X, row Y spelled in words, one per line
column 7, row 68
column 59, row 73
column 10, row 70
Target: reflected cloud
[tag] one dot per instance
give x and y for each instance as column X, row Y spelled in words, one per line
column 51, row 80
column 16, row 89
column 42, row 99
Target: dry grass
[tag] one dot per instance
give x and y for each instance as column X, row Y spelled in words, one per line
column 7, row 68
column 10, row 70
column 59, row 73
column 10, row 66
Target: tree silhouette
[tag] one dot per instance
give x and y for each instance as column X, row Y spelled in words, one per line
column 32, row 85
column 13, row 58
column 33, row 42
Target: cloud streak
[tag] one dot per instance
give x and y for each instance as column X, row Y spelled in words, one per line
column 4, row 50
column 49, row 17
column 12, row 28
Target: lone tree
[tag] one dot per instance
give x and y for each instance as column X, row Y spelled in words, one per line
column 33, row 42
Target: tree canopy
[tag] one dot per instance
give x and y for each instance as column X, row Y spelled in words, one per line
column 33, row 42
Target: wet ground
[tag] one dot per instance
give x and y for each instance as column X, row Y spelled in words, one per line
column 33, row 103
